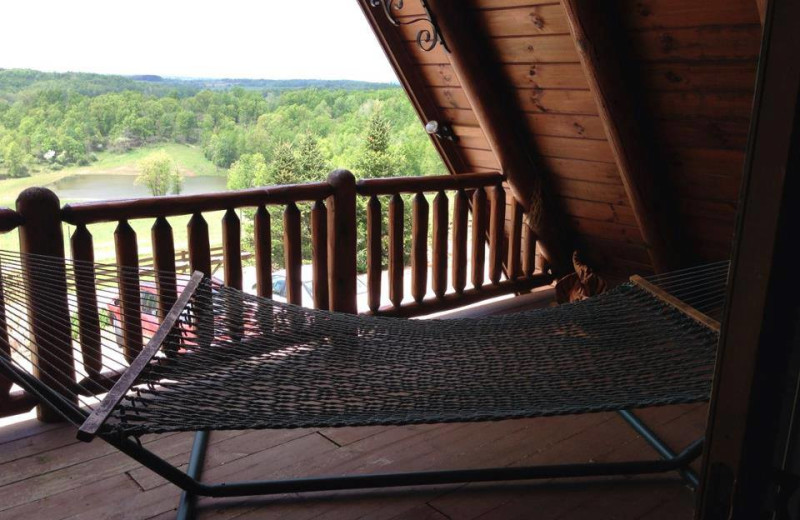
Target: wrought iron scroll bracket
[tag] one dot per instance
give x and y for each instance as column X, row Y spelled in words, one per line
column 428, row 37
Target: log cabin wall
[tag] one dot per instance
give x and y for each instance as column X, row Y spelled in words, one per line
column 696, row 65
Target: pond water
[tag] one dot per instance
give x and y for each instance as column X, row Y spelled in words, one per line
column 101, row 187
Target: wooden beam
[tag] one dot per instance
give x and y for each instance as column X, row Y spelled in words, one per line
column 500, row 117
column 762, row 9
column 612, row 79
column 749, row 455
column 412, row 81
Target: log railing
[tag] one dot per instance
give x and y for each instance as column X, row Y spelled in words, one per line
column 454, row 221
column 455, row 238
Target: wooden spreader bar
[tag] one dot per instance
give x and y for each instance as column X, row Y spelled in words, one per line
column 667, row 298
column 99, row 415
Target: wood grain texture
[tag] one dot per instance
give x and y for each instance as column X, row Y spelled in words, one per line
column 232, row 249
column 293, row 254
column 479, row 229
column 374, row 253
column 127, row 250
column 86, row 296
column 319, row 255
column 439, row 268
column 496, row 225
column 419, row 247
column 606, row 63
column 396, row 264
column 262, row 243
column 199, row 247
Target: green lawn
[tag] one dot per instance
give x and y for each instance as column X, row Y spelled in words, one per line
column 189, row 159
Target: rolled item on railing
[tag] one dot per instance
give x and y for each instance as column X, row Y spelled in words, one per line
column 174, row 205
column 394, row 185
column 9, row 220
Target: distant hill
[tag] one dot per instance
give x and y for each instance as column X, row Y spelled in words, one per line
column 16, row 81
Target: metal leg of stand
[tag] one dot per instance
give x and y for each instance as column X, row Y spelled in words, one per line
column 689, row 476
column 186, row 507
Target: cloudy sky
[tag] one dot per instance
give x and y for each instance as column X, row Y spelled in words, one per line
column 274, row 39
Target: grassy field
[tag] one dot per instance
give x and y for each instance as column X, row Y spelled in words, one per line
column 190, row 161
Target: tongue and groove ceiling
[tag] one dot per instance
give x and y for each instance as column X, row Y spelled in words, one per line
column 695, row 66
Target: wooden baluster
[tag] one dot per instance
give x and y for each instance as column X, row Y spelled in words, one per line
column 478, row 237
column 374, row 253
column 263, row 247
column 46, row 284
column 496, row 225
column 199, row 248
column 542, row 264
column 419, row 247
column 200, row 260
column 396, row 250
column 86, row 296
column 528, row 251
column 514, row 241
column 164, row 265
column 232, row 249
column 342, row 242
column 460, row 214
column 129, row 288
column 440, row 216
column 293, row 254
column 319, row 254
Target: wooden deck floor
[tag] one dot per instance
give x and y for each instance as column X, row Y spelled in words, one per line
column 46, row 474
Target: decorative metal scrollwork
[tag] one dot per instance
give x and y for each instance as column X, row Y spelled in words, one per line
column 427, row 37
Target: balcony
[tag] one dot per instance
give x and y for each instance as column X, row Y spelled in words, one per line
column 468, row 244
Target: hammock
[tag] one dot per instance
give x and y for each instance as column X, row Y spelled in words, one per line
column 224, row 359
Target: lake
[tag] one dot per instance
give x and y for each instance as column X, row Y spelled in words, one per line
column 102, row 187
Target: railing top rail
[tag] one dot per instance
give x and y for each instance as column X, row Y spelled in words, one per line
column 174, row 205
column 392, row 185
column 9, row 220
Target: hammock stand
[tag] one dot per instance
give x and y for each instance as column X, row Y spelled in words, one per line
column 97, row 422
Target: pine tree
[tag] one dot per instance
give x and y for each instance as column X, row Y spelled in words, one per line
column 284, row 168
column 311, row 164
column 377, row 159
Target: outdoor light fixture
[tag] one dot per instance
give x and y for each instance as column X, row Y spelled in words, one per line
column 428, row 37
column 442, row 131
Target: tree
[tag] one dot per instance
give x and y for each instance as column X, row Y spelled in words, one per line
column 311, row 164
column 16, row 160
column 246, row 170
column 159, row 174
column 284, row 168
column 377, row 159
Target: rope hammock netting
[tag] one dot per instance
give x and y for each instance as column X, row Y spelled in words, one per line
column 237, row 361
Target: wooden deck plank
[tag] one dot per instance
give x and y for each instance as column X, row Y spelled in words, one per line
column 103, row 486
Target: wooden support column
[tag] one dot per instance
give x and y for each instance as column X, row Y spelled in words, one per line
column 342, row 242
column 611, row 74
column 487, row 90
column 46, row 283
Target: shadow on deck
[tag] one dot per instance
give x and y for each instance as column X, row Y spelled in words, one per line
column 45, row 473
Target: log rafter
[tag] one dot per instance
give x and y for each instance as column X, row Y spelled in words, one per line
column 488, row 92
column 610, row 72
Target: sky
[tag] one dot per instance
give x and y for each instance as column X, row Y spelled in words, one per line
column 267, row 39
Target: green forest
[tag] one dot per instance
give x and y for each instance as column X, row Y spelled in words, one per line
column 297, row 129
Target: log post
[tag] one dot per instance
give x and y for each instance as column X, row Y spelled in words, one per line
column 342, row 242
column 486, row 88
column 46, row 285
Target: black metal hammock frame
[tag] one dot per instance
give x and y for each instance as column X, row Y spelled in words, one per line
column 222, row 359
